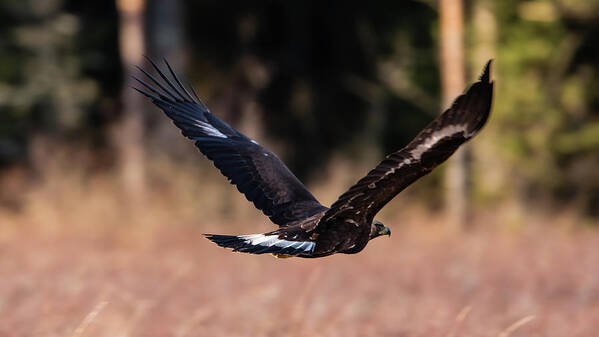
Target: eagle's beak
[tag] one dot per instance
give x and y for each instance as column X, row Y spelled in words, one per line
column 385, row 231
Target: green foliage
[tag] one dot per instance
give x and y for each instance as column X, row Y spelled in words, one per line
column 42, row 76
column 44, row 87
column 546, row 107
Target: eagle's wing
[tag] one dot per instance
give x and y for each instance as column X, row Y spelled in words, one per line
column 258, row 173
column 432, row 146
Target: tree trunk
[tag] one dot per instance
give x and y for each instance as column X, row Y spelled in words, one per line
column 166, row 40
column 452, row 82
column 128, row 134
column 485, row 160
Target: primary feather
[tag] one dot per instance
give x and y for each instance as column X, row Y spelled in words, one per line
column 258, row 173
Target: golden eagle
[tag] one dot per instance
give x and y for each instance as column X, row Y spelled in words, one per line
column 307, row 228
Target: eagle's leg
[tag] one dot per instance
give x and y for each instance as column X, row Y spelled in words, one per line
column 282, row 256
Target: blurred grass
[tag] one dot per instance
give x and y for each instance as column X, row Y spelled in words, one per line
column 169, row 281
column 78, row 260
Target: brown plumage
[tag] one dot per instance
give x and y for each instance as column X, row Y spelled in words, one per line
column 307, row 228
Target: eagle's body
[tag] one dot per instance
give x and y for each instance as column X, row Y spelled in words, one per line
column 305, row 238
column 307, row 228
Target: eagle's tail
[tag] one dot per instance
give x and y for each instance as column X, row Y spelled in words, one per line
column 263, row 244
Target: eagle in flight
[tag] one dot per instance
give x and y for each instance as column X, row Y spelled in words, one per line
column 307, row 228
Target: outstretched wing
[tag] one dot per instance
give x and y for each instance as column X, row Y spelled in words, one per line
column 258, row 173
column 432, row 146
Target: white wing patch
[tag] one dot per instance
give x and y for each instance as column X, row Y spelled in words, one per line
column 209, row 129
column 273, row 240
column 436, row 137
column 352, row 222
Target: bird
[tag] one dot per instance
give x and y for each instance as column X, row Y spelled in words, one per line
column 307, row 228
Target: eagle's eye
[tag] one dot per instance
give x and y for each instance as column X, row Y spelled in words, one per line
column 380, row 229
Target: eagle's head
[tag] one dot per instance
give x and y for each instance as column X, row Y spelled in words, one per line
column 377, row 229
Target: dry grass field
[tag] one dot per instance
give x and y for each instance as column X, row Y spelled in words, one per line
column 167, row 280
column 76, row 264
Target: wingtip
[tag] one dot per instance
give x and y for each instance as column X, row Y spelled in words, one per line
column 210, row 237
column 225, row 241
column 166, row 62
column 154, row 65
column 148, row 58
column 486, row 75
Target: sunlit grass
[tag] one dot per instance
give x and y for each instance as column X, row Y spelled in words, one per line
column 79, row 261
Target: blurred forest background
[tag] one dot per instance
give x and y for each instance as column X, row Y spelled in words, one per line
column 326, row 85
column 103, row 202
